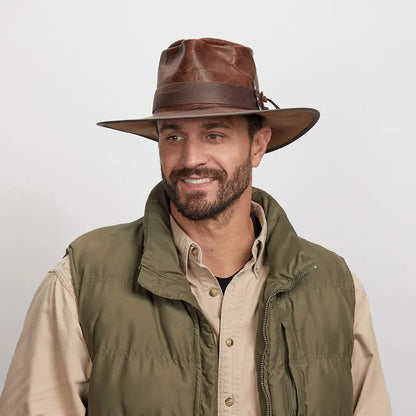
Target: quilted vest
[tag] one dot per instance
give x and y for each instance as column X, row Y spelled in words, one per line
column 153, row 351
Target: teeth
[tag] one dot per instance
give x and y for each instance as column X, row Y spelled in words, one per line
column 195, row 181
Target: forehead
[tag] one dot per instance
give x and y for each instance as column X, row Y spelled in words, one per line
column 203, row 123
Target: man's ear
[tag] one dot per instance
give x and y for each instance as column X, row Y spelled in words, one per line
column 259, row 145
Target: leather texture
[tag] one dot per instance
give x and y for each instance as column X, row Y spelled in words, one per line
column 209, row 72
column 213, row 77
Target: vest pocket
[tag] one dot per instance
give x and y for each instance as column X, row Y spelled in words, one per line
column 291, row 388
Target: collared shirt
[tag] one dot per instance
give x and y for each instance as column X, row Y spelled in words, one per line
column 233, row 317
column 51, row 367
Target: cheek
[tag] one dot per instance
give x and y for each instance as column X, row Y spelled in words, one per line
column 163, row 167
column 235, row 154
column 165, row 170
column 164, row 157
column 168, row 162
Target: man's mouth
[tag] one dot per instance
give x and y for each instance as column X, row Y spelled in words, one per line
column 198, row 181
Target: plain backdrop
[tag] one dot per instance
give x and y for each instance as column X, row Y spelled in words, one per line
column 348, row 184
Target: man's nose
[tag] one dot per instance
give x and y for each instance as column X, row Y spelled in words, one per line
column 194, row 153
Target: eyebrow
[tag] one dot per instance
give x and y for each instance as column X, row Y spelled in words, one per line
column 205, row 126
column 214, row 125
column 169, row 127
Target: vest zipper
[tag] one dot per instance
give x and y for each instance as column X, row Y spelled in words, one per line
column 296, row 280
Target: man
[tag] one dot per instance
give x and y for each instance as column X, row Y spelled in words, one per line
column 209, row 304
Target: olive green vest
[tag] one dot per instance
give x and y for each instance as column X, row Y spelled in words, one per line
column 153, row 351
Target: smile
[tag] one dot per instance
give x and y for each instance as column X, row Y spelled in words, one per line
column 198, row 181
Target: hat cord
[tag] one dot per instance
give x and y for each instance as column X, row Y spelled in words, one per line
column 265, row 99
column 261, row 98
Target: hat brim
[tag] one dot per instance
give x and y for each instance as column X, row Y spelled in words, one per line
column 287, row 124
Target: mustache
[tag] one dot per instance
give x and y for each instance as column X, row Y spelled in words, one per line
column 178, row 174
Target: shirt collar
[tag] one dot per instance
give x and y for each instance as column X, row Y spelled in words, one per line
column 189, row 249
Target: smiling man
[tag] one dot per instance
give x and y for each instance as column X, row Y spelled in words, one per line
column 210, row 304
column 208, row 162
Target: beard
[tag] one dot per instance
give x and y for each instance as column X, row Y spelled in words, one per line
column 194, row 205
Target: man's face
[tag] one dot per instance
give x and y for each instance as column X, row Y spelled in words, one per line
column 206, row 163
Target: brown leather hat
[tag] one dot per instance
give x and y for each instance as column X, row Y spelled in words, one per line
column 213, row 77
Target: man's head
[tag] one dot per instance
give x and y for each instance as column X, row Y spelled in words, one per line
column 208, row 115
column 206, row 162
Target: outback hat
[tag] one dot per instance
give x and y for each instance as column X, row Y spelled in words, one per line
column 213, row 77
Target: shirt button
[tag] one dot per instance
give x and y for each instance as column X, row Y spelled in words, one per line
column 194, row 251
column 229, row 342
column 214, row 292
column 229, row 401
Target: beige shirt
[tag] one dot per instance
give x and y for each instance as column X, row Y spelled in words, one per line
column 51, row 367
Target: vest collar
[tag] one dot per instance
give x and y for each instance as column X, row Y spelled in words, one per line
column 160, row 271
column 285, row 254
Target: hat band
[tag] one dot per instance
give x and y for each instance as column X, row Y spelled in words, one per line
column 214, row 93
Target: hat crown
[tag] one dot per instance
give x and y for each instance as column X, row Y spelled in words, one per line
column 204, row 73
column 207, row 60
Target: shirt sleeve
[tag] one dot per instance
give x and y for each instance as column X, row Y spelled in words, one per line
column 50, row 370
column 370, row 393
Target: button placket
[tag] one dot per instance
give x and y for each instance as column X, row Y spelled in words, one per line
column 229, row 358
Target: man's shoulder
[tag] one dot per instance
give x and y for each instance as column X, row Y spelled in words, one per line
column 328, row 261
column 110, row 234
column 323, row 257
column 112, row 244
column 107, row 252
column 319, row 250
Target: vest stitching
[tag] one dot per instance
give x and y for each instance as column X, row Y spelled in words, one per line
column 281, row 366
column 126, row 279
column 133, row 355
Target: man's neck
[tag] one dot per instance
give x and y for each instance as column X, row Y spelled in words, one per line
column 226, row 240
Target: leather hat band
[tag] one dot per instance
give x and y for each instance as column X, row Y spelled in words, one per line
column 214, row 93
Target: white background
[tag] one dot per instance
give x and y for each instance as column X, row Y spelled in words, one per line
column 349, row 184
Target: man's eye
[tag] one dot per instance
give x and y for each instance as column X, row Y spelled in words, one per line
column 175, row 138
column 214, row 137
